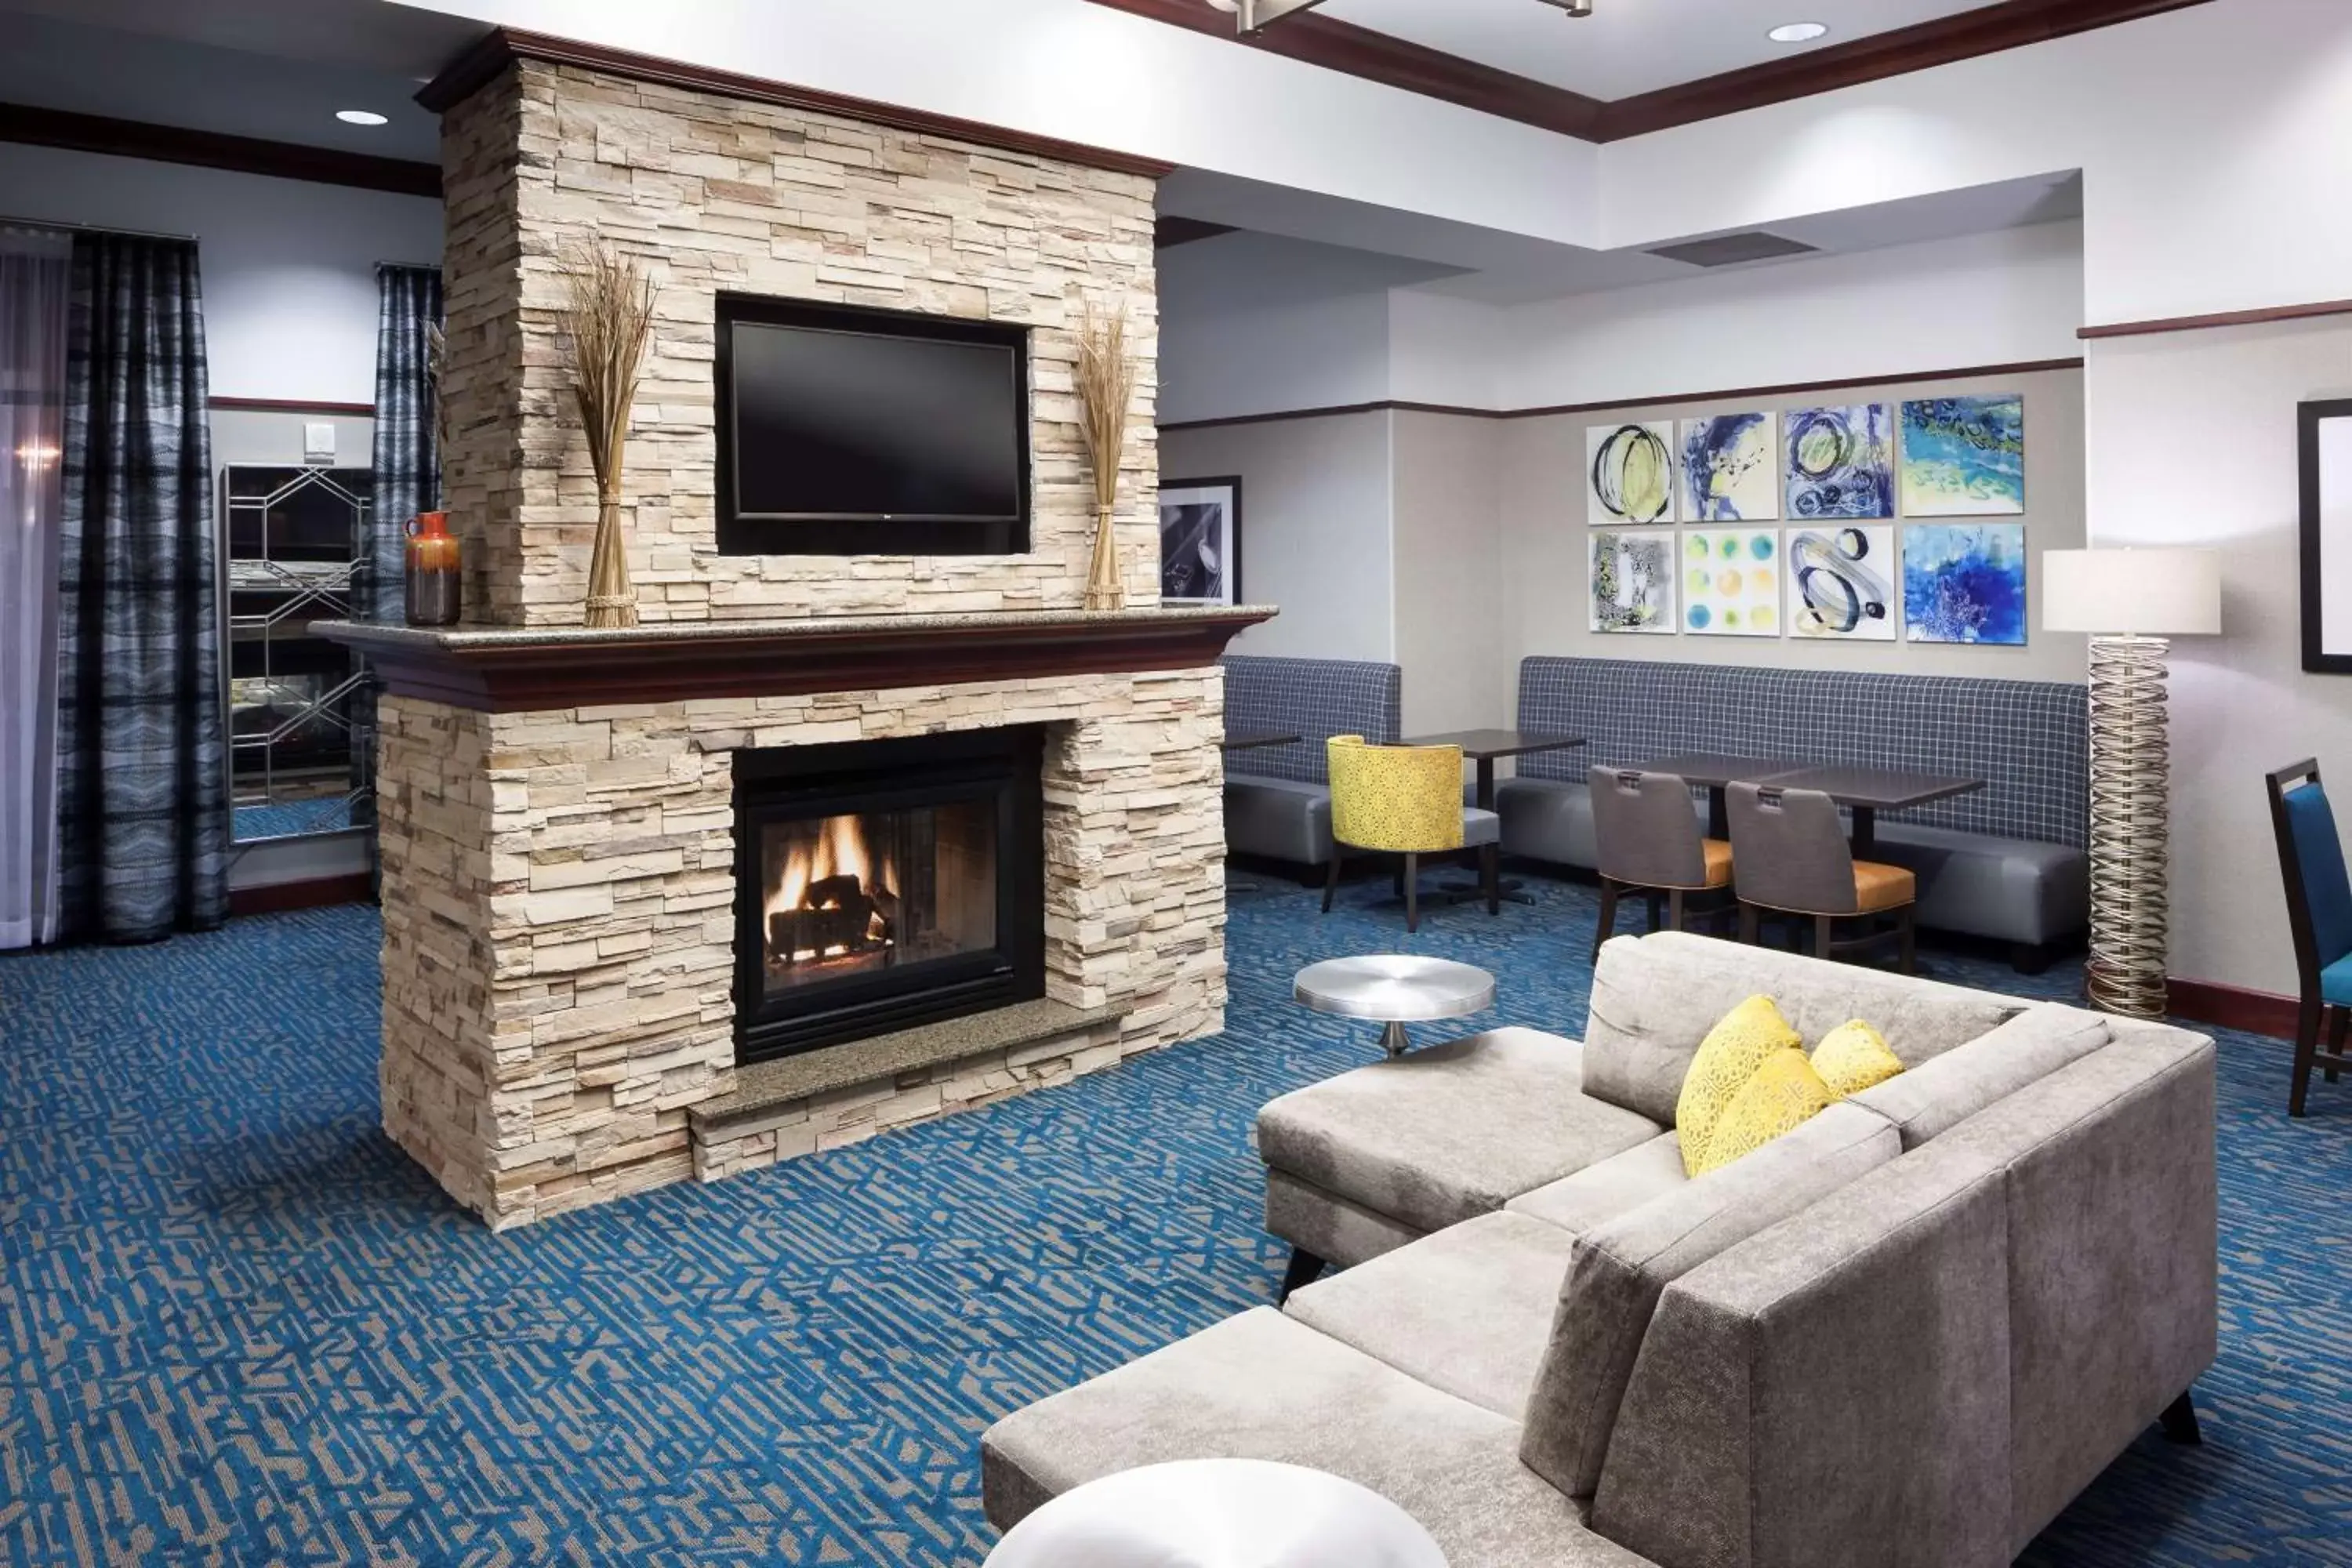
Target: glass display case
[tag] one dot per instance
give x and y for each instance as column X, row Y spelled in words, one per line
column 294, row 544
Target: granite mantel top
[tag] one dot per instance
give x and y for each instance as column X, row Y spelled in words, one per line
column 506, row 669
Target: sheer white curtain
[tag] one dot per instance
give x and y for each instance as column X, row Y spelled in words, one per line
column 36, row 268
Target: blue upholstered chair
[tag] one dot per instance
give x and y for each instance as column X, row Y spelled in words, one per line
column 2319, row 912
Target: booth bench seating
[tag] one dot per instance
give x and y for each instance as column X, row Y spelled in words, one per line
column 1279, row 798
column 2005, row 862
column 1906, row 1333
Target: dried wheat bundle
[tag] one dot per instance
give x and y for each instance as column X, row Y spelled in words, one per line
column 1105, row 382
column 606, row 319
column 437, row 373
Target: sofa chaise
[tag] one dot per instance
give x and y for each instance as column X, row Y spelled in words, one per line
column 2006, row 862
column 1907, row 1332
column 1279, row 798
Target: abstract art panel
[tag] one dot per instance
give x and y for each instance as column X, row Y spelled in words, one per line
column 1730, row 468
column 1840, row 462
column 1629, row 472
column 1731, row 582
column 1964, row 457
column 1632, row 583
column 1842, row 582
column 1964, row 583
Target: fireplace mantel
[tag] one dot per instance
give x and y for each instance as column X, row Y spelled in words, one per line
column 512, row 670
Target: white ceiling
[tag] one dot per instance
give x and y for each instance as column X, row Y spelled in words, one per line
column 1627, row 46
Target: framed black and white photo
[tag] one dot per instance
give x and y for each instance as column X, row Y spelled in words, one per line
column 1200, row 542
column 2326, row 453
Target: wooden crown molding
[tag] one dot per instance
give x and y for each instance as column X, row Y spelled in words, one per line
column 2222, row 319
column 1357, row 51
column 37, row 127
column 492, row 670
column 1719, row 395
column 481, row 65
column 289, row 405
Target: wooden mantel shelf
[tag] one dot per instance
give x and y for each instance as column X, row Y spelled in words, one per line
column 519, row 669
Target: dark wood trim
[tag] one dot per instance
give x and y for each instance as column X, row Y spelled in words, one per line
column 2222, row 319
column 289, row 405
column 36, row 127
column 1804, row 73
column 2230, row 1007
column 1723, row 395
column 516, row 676
column 312, row 893
column 1357, row 51
column 481, row 65
column 2312, row 560
column 1391, row 61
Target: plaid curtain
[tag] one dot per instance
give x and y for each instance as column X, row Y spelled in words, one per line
column 142, row 766
column 407, row 481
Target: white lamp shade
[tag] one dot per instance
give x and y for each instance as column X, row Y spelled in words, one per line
column 2154, row 593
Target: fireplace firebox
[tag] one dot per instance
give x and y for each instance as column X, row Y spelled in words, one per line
column 883, row 884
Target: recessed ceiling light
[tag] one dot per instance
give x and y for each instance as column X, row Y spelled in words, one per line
column 1797, row 32
column 360, row 117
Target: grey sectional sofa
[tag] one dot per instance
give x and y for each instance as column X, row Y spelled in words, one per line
column 2006, row 862
column 1279, row 798
column 1906, row 1333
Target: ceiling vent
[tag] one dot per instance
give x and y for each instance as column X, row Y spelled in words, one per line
column 1731, row 249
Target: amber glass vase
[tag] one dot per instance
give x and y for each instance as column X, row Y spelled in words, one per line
column 435, row 587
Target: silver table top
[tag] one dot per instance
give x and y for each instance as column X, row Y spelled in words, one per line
column 1395, row 988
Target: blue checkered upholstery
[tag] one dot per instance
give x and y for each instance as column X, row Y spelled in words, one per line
column 1315, row 699
column 2028, row 739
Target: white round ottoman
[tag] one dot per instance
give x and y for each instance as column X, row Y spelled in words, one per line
column 1219, row 1513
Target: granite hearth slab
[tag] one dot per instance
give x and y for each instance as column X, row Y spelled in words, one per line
column 515, row 669
column 765, row 1086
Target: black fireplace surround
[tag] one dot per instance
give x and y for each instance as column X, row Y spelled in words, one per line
column 884, row 884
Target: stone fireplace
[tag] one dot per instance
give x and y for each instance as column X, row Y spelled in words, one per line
column 827, row 845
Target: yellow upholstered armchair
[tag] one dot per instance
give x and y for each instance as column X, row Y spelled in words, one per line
column 1406, row 800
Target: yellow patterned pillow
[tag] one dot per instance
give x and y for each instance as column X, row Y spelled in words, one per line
column 1785, row 1094
column 1727, row 1059
column 1852, row 1057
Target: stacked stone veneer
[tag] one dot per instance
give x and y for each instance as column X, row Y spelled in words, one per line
column 714, row 195
column 559, row 921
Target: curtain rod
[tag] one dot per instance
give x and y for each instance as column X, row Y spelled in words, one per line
column 413, row 266
column 90, row 228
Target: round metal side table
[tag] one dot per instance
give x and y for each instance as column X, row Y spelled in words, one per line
column 1394, row 989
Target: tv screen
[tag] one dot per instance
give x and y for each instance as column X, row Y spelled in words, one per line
column 858, row 432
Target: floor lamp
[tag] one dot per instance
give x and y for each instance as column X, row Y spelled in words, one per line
column 2131, row 602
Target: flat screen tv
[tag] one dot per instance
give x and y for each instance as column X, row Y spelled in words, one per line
column 851, row 431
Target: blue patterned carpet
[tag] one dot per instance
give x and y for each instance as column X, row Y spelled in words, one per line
column 237, row 1326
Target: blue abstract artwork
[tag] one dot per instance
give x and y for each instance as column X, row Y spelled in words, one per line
column 1841, row 582
column 1964, row 583
column 1964, row 457
column 1728, row 470
column 1840, row 462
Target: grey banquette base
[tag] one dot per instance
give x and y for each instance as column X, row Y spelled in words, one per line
column 1906, row 1333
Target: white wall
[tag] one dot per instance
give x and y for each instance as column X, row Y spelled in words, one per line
column 1452, row 634
column 2006, row 297
column 288, row 265
column 1217, row 364
column 1316, row 517
column 2193, row 441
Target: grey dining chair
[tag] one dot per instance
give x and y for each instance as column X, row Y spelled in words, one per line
column 1794, row 859
column 1650, row 843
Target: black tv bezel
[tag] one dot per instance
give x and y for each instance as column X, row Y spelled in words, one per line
column 801, row 533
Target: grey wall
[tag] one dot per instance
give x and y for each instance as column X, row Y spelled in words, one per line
column 1316, row 518
column 1545, row 564
column 1451, row 578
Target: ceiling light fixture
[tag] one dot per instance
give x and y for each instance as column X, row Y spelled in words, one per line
column 1252, row 15
column 360, row 117
column 1797, row 32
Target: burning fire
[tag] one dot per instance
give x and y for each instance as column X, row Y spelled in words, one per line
column 816, row 876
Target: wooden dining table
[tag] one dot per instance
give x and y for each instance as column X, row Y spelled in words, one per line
column 1863, row 792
